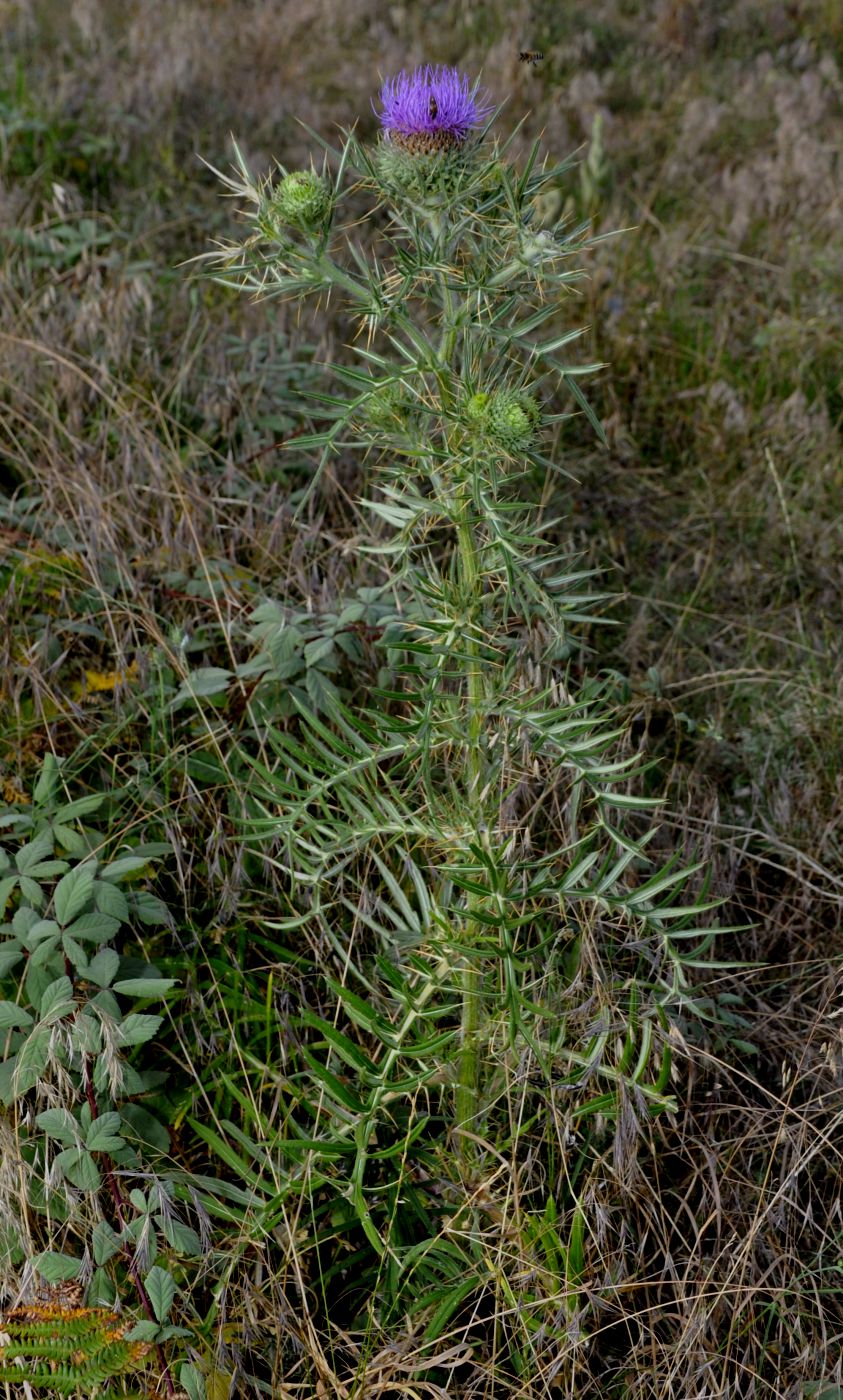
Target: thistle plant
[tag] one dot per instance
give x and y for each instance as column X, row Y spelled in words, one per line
column 466, row 845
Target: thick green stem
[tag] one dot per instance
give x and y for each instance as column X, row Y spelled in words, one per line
column 472, row 978
column 469, row 575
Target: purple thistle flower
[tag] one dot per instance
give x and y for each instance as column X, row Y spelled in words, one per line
column 431, row 109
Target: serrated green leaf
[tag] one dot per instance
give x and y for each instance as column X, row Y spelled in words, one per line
column 73, row 892
column 140, row 1126
column 31, row 890
column 149, row 909
column 13, row 1017
column 318, row 649
column 31, row 1060
column 69, row 840
column 10, row 956
column 48, row 868
column 111, row 900
column 38, row 931
column 204, row 682
column 123, row 866
column 86, row 1035
column 161, row 1291
column 34, row 852
column 44, row 951
column 82, row 807
column 47, row 778
column 105, row 1125
column 7, row 885
column 60, row 1124
column 191, row 1382
column 24, row 920
column 103, row 967
column 76, row 953
column 144, row 1331
column 105, row 1242
column 79, row 1168
column 56, row 1268
column 144, row 986
column 8, row 1069
column 137, row 1029
column 180, row 1237
column 94, row 926
column 57, row 1000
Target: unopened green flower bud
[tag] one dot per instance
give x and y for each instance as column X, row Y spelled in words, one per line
column 514, row 419
column 302, row 199
column 476, row 410
column 537, row 248
column 386, row 407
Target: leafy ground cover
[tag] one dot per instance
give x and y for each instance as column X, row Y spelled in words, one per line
column 173, row 589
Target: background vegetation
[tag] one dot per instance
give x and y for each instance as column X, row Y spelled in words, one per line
column 148, row 510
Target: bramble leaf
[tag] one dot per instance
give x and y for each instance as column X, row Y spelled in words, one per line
column 137, row 1029
column 60, row 1124
column 73, row 891
column 161, row 1290
column 14, row 1017
column 56, row 1268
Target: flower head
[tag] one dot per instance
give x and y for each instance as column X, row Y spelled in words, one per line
column 430, row 109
